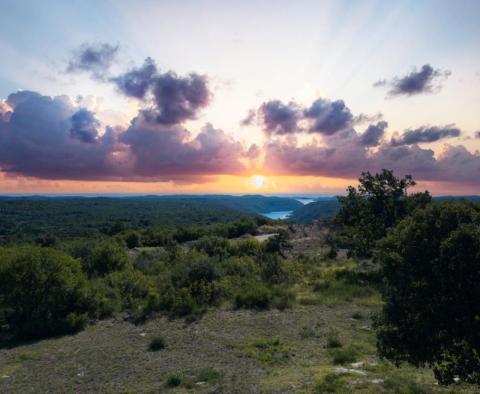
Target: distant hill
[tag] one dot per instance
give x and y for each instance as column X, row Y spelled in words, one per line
column 69, row 216
column 323, row 209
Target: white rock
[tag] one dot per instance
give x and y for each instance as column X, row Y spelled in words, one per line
column 350, row 370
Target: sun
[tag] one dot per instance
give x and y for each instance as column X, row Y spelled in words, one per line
column 258, row 181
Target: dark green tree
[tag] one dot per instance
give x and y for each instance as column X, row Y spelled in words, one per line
column 43, row 292
column 430, row 264
column 379, row 202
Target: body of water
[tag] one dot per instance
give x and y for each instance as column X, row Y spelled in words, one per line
column 275, row 215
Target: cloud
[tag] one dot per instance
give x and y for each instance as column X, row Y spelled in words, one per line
column 426, row 80
column 172, row 99
column 167, row 152
column 323, row 117
column 37, row 141
column 373, row 134
column 179, row 98
column 477, row 134
column 93, row 58
column 51, row 138
column 84, row 126
column 426, row 134
column 279, row 118
column 342, row 156
column 249, row 119
column 5, row 111
column 328, row 117
column 137, row 81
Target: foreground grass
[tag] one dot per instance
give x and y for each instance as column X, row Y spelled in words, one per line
column 306, row 349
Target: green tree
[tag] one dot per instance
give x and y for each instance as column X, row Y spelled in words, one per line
column 379, row 202
column 430, row 264
column 43, row 292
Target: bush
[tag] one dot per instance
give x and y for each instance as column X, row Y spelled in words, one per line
column 157, row 343
column 333, row 340
column 254, row 296
column 174, row 380
column 430, row 265
column 43, row 292
column 100, row 258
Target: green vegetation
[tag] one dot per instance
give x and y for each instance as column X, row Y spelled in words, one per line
column 383, row 300
column 430, row 265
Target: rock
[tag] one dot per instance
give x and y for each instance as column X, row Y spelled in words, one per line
column 350, row 370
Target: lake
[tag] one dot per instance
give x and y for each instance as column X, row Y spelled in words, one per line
column 275, row 215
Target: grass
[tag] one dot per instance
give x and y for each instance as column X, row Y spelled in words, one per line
column 307, row 348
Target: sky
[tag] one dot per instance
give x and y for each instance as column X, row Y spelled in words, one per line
column 237, row 97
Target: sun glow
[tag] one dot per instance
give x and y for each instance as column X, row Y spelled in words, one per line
column 258, row 181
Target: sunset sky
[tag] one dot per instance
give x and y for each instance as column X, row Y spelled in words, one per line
column 237, row 96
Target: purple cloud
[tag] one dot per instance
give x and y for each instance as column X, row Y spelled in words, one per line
column 279, row 118
column 328, row 117
column 426, row 134
column 373, row 134
column 84, row 126
column 136, row 82
column 426, row 80
column 93, row 58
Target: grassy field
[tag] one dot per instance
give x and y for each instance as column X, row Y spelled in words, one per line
column 324, row 343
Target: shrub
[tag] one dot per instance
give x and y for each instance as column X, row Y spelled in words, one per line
column 174, row 380
column 157, row 343
column 333, row 340
column 254, row 296
column 43, row 292
column 210, row 375
column 132, row 239
column 344, row 355
column 100, row 258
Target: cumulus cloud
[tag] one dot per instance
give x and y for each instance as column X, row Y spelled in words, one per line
column 249, row 119
column 477, row 134
column 84, row 126
column 323, row 116
column 426, row 134
column 342, row 156
column 425, row 80
column 179, row 98
column 174, row 99
column 279, row 118
column 167, row 152
column 93, row 58
column 328, row 117
column 137, row 81
column 373, row 134
column 37, row 141
column 51, row 138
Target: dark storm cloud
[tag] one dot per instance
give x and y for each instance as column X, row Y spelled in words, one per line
column 136, row 82
column 84, row 126
column 93, row 58
column 328, row 117
column 279, row 118
column 426, row 80
column 426, row 134
column 373, row 134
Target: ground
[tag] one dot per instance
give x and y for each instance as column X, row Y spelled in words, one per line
column 225, row 351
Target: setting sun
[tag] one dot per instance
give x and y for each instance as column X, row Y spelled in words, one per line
column 258, row 181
